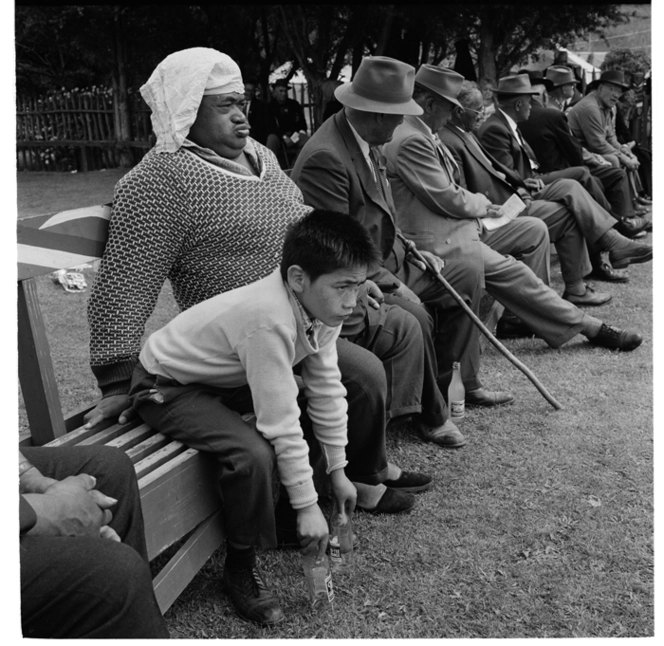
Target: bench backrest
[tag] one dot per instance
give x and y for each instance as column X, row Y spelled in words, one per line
column 47, row 243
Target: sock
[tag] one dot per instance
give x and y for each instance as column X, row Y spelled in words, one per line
column 591, row 326
column 578, row 288
column 612, row 240
column 239, row 558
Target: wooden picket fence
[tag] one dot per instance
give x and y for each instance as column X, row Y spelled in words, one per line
column 77, row 130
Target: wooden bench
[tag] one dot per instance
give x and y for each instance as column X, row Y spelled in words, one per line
column 177, row 484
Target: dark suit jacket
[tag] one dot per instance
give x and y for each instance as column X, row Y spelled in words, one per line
column 498, row 138
column 289, row 116
column 549, row 135
column 332, row 174
column 479, row 172
column 261, row 121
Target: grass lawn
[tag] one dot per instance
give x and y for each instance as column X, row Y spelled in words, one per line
column 542, row 526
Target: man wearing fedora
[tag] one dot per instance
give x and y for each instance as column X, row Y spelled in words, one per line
column 341, row 169
column 501, row 136
column 557, row 149
column 446, row 219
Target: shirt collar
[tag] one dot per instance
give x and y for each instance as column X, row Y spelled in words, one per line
column 511, row 122
column 309, row 325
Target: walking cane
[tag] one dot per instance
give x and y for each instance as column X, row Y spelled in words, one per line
column 410, row 247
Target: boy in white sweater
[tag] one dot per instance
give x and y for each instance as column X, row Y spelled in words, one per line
column 234, row 354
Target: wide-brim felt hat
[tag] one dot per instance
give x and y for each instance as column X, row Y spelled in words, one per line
column 561, row 75
column 537, row 78
column 442, row 81
column 616, row 77
column 516, row 84
column 381, row 84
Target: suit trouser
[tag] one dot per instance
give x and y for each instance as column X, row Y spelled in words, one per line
column 456, row 337
column 616, row 188
column 565, row 234
column 521, row 289
column 210, row 419
column 584, row 177
column 76, row 587
column 408, row 356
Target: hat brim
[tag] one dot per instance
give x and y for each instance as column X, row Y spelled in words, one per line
column 438, row 93
column 348, row 97
column 513, row 92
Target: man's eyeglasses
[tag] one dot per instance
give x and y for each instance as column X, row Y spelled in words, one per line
column 479, row 113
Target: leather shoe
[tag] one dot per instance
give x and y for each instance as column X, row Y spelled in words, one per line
column 513, row 329
column 630, row 254
column 604, row 271
column 633, row 227
column 252, row 599
column 612, row 337
column 411, row 482
column 481, row 397
column 590, row 298
column 393, row 501
column 448, row 435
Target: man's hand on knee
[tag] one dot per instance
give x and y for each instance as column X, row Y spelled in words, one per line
column 109, row 408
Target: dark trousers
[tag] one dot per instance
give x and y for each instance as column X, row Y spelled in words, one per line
column 407, row 353
column 616, row 188
column 455, row 337
column 75, row 587
column 210, row 419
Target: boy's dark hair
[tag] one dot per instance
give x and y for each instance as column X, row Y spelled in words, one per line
column 323, row 241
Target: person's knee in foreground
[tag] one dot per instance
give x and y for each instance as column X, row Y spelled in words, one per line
column 84, row 570
column 234, row 354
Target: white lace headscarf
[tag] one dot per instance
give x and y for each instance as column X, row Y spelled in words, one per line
column 176, row 87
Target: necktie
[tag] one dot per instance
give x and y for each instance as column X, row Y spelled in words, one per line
column 377, row 178
column 534, row 164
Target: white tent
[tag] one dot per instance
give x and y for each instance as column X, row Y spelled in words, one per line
column 298, row 78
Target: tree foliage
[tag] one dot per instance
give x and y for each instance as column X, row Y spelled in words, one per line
column 629, row 61
column 68, row 46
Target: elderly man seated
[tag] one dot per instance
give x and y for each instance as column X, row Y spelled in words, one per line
column 501, row 136
column 450, row 221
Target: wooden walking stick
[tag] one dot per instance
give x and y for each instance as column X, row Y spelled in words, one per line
column 483, row 328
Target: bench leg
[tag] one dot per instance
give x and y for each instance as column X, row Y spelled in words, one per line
column 184, row 565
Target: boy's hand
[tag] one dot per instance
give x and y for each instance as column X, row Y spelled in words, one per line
column 312, row 530
column 343, row 491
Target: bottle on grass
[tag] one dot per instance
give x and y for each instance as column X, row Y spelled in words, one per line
column 341, row 540
column 318, row 579
column 456, row 394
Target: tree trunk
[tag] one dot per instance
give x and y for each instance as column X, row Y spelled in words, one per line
column 486, row 58
column 120, row 96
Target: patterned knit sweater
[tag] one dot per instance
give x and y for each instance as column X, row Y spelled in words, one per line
column 180, row 217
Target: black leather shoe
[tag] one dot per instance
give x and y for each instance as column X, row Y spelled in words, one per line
column 513, row 329
column 590, row 298
column 612, row 337
column 630, row 254
column 252, row 599
column 393, row 501
column 604, row 271
column 481, row 397
column 633, row 227
column 411, row 482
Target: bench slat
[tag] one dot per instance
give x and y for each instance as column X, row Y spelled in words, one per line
column 176, row 497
